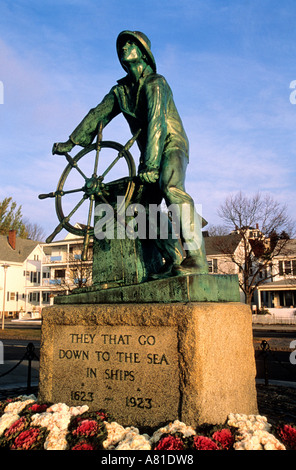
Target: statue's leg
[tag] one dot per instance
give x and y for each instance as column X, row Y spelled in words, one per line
column 160, row 231
column 181, row 205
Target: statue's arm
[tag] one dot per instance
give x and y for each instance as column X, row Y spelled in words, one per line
column 86, row 131
column 156, row 95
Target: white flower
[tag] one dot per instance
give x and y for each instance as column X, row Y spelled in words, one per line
column 41, row 419
column 56, row 440
column 17, row 406
column 171, row 428
column 253, row 433
column 7, row 420
column 116, row 433
column 58, row 408
column 78, row 410
column 134, row 441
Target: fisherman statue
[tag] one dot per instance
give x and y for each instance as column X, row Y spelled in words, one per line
column 146, row 101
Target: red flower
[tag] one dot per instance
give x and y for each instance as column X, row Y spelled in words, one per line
column 16, row 427
column 86, row 428
column 26, row 439
column 170, row 443
column 83, row 446
column 288, row 436
column 102, row 415
column 225, row 438
column 36, row 408
column 204, row 443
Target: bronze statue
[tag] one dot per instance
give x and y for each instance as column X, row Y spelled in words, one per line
column 146, row 101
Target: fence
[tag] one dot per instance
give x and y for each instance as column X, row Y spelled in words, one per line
column 270, row 319
column 267, row 354
column 29, row 355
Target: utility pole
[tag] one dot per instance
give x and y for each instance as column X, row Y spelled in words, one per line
column 5, row 267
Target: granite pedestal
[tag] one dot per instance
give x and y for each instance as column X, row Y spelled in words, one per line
column 150, row 363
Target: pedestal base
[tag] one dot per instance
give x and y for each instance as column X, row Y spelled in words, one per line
column 187, row 288
column 148, row 364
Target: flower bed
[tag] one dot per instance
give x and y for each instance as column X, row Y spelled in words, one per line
column 27, row 425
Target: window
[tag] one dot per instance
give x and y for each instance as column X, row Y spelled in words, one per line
column 12, row 296
column 35, row 277
column 36, row 257
column 45, row 297
column 59, row 273
column 213, row 266
column 287, row 267
column 34, row 297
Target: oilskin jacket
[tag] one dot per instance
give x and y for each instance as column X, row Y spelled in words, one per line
column 147, row 105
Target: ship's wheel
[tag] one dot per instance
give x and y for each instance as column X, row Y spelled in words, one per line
column 93, row 186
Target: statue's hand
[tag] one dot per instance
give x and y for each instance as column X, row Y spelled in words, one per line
column 149, row 176
column 60, row 148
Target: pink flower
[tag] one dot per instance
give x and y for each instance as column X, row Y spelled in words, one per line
column 170, row 443
column 225, row 438
column 288, row 435
column 204, row 443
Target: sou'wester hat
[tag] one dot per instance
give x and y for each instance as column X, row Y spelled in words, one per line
column 142, row 42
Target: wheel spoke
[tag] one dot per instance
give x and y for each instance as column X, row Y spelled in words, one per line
column 90, row 211
column 86, row 238
column 70, row 191
column 111, row 166
column 73, row 164
column 99, row 138
column 66, row 219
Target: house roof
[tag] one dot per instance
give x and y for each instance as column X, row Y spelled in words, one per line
column 283, row 284
column 23, row 248
column 222, row 244
column 289, row 248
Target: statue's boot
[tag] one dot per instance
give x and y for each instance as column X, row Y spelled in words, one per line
column 164, row 272
column 193, row 243
column 193, row 264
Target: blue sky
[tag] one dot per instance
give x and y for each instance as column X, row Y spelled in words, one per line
column 229, row 63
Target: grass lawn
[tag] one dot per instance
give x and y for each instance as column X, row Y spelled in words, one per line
column 18, row 333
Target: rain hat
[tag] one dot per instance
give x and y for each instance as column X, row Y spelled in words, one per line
column 142, row 42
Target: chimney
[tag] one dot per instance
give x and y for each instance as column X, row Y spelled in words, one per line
column 12, row 238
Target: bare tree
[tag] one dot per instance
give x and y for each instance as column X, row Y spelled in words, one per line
column 264, row 228
column 216, row 230
column 34, row 231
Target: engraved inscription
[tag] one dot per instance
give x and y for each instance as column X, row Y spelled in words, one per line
column 131, row 369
